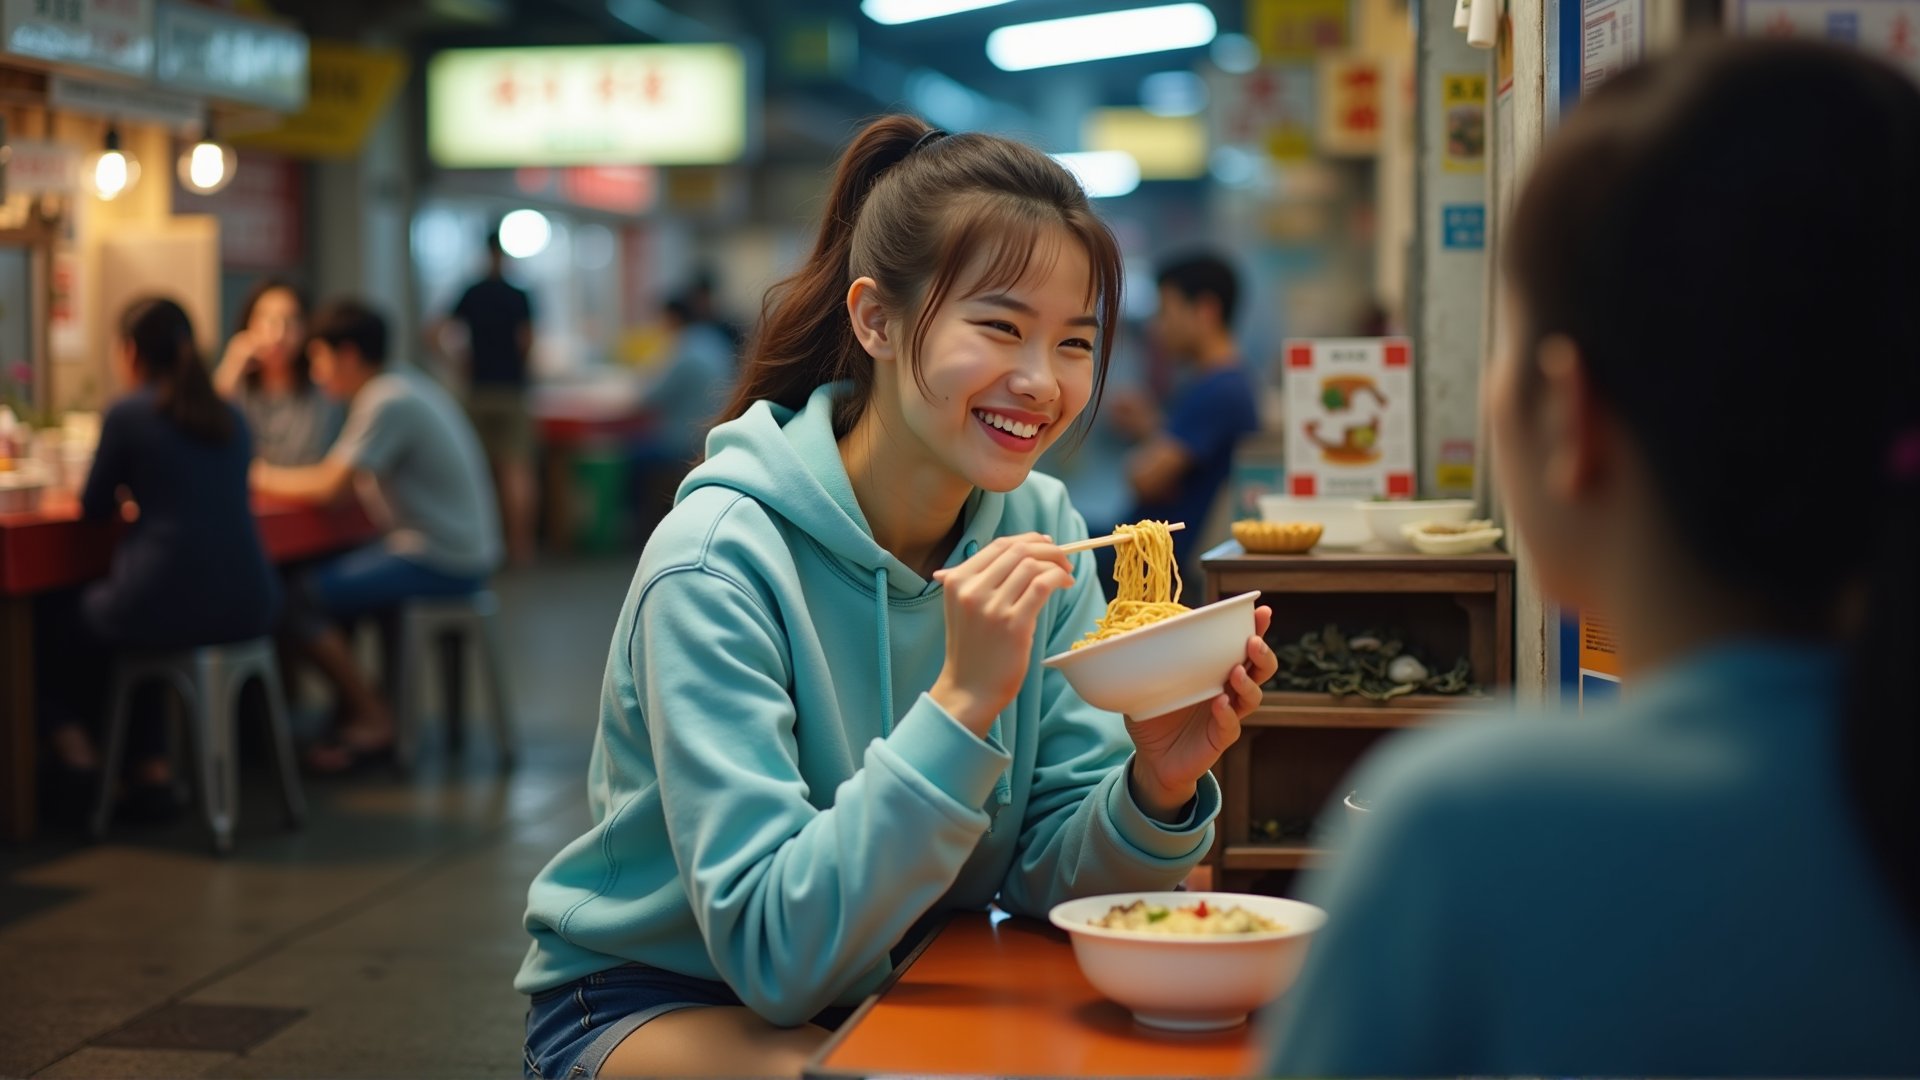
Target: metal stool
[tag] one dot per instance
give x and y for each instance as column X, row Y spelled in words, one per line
column 209, row 680
column 464, row 619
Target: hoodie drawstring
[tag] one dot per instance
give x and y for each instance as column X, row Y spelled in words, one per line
column 886, row 650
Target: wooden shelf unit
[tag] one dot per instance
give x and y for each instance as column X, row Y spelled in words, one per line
column 1297, row 750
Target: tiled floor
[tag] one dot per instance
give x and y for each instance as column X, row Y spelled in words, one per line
column 379, row 941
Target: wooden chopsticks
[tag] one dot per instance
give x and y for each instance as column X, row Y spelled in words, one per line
column 1110, row 539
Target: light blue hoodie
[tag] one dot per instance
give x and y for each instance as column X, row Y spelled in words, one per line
column 776, row 800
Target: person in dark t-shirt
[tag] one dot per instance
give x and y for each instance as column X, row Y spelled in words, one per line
column 499, row 321
column 1185, row 456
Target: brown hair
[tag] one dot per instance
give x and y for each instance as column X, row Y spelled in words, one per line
column 302, row 369
column 911, row 208
column 165, row 356
column 1712, row 276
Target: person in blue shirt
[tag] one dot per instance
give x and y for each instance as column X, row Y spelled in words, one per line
column 692, row 383
column 824, row 715
column 1706, row 423
column 1184, row 458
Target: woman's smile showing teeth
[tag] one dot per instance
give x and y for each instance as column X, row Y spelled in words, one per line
column 1016, row 432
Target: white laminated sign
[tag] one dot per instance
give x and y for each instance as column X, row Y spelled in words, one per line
column 1350, row 409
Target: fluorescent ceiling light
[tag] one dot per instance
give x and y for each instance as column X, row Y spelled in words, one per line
column 943, row 101
column 1100, row 37
column 1173, row 93
column 1164, row 147
column 1104, row 174
column 1235, row 54
column 895, row 12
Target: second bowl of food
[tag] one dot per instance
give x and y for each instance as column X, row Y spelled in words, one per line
column 1189, row 961
column 1451, row 537
column 1165, row 665
column 1386, row 519
column 1340, row 520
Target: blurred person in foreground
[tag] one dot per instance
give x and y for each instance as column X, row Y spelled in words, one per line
column 265, row 372
column 409, row 440
column 498, row 316
column 1184, row 457
column 191, row 569
column 1721, row 875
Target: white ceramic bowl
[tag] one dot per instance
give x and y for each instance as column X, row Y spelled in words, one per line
column 1190, row 983
column 1385, row 519
column 1340, row 519
column 1166, row 665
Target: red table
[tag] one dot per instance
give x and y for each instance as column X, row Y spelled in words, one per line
column 51, row 548
column 1007, row 999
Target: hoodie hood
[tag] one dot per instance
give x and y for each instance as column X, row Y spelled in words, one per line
column 789, row 462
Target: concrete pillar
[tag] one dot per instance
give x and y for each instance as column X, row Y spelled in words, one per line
column 361, row 225
column 1523, row 111
column 1447, row 297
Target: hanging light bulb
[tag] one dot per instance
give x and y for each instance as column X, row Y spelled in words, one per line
column 114, row 171
column 208, row 165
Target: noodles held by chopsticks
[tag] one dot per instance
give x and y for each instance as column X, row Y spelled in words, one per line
column 1148, row 580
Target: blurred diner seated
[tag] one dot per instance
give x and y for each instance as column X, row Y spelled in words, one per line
column 190, row 571
column 266, row 373
column 690, row 385
column 413, row 454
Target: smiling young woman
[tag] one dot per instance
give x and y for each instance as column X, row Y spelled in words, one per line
column 823, row 715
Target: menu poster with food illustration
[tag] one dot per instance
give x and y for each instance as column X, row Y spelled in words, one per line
column 1464, row 97
column 1350, row 414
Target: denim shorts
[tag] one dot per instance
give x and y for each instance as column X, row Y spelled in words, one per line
column 572, row 1029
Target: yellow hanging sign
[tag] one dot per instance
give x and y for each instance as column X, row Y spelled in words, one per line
column 350, row 87
column 1297, row 30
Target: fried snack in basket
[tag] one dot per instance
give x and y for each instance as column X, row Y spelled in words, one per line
column 1277, row 537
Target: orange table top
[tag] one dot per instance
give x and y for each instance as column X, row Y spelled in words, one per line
column 51, row 548
column 980, row 999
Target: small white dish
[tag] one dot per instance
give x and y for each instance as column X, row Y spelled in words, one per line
column 1183, row 983
column 1163, row 666
column 1476, row 537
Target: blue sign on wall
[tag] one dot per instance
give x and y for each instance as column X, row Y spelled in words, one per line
column 1463, row 227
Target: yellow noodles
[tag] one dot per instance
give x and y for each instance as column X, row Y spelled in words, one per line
column 1148, row 580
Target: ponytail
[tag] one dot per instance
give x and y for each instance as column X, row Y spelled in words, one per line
column 805, row 338
column 910, row 207
column 163, row 349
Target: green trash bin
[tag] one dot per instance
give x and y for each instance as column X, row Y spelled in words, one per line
column 600, row 499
